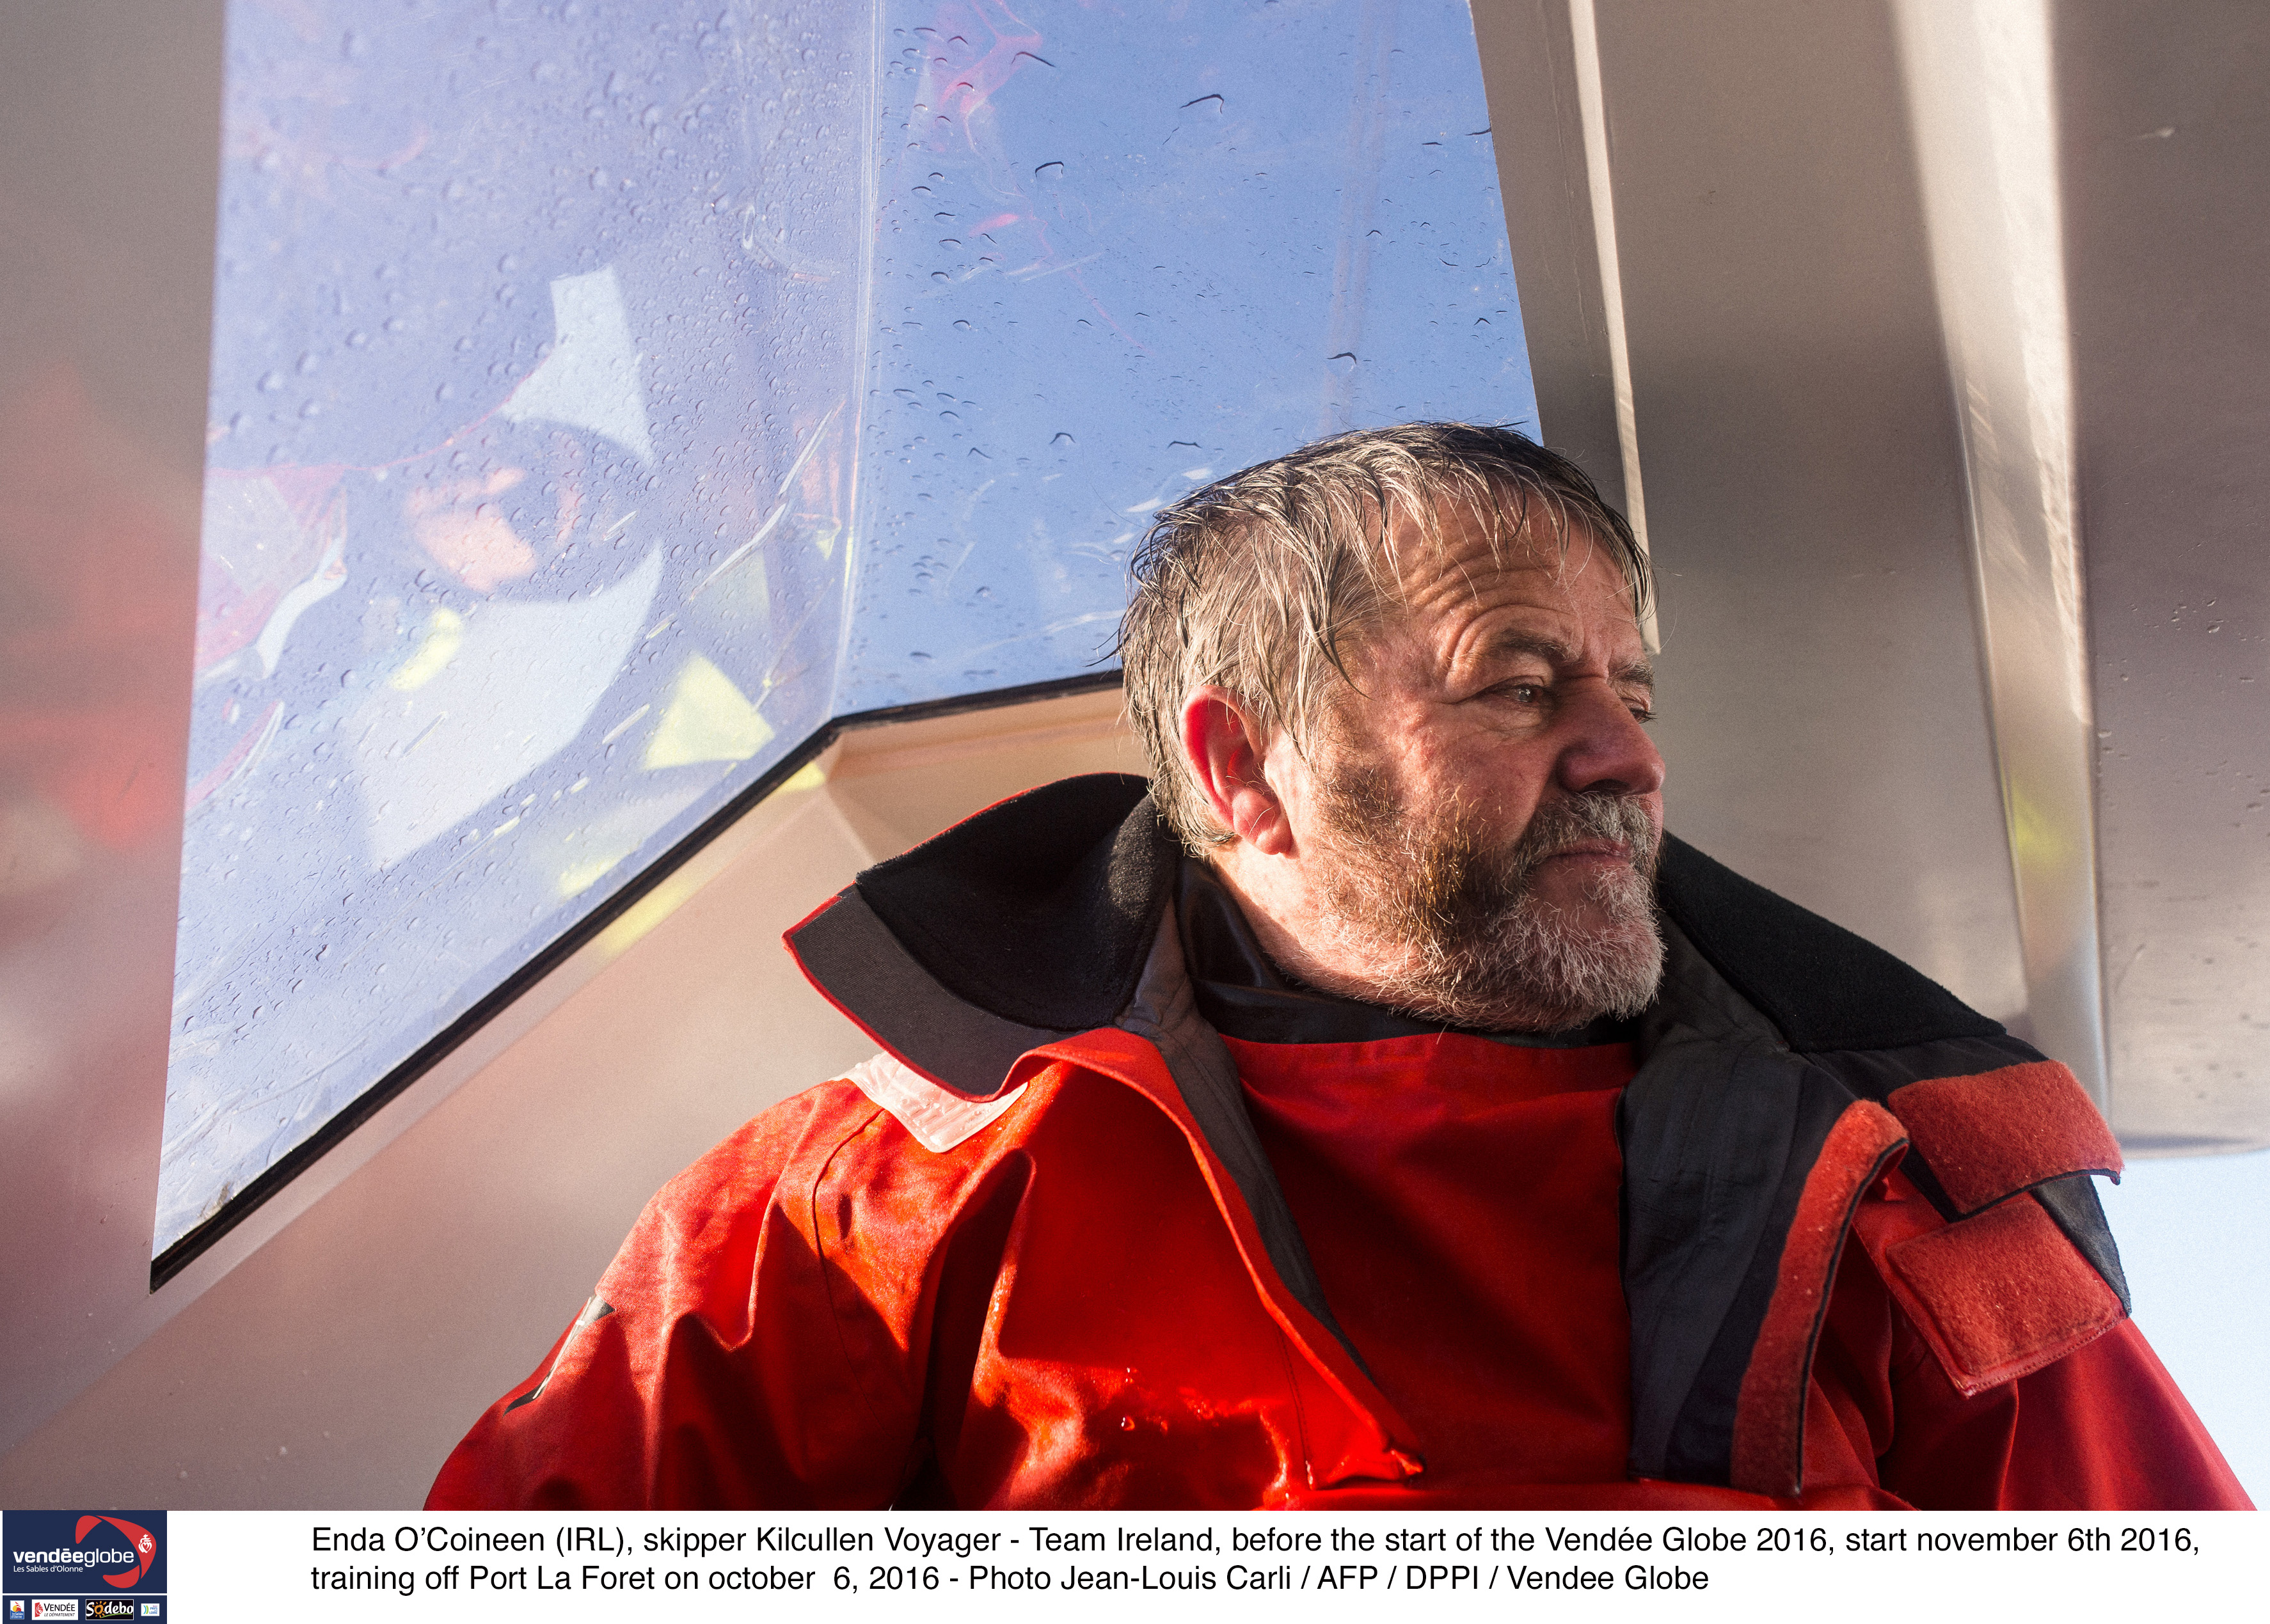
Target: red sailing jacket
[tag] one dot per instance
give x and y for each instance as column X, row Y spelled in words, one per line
column 1035, row 1254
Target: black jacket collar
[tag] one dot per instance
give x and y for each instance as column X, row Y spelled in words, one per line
column 1038, row 915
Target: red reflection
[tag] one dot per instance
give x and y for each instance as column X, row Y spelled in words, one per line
column 265, row 535
column 462, row 529
column 98, row 549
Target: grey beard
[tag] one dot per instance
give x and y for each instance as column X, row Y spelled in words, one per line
column 1454, row 931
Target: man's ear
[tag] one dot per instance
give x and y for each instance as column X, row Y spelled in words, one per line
column 1225, row 750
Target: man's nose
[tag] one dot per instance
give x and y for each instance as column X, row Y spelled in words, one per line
column 1608, row 750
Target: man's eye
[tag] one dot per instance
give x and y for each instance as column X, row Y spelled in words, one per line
column 1643, row 713
column 1527, row 692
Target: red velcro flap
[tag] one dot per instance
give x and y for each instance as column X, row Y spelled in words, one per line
column 2000, row 1295
column 1990, row 1136
column 1769, row 1452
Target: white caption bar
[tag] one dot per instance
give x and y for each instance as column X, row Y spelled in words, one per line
column 902, row 1566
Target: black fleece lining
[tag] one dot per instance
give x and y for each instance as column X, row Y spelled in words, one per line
column 1041, row 909
column 1824, row 986
column 865, row 968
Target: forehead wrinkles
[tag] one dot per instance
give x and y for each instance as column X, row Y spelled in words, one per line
column 1438, row 555
column 1398, row 538
column 1453, row 595
column 1403, row 549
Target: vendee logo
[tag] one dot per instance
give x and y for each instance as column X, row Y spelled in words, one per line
column 144, row 1544
column 85, row 1553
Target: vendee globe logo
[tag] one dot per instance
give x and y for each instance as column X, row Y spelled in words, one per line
column 144, row 1542
column 84, row 1552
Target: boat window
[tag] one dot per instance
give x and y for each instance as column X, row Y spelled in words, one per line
column 607, row 397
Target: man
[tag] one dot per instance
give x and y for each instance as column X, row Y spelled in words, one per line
column 1380, row 1111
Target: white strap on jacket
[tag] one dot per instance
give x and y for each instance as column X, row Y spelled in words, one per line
column 939, row 1120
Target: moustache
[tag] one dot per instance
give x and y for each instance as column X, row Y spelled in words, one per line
column 1583, row 819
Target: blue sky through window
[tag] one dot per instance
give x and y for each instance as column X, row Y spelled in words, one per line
column 607, row 395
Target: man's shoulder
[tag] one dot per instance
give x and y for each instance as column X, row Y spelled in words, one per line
column 878, row 1124
column 743, row 1168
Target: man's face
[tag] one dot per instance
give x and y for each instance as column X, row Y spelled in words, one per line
column 1487, row 804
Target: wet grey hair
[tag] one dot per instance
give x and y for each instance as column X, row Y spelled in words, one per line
column 1262, row 582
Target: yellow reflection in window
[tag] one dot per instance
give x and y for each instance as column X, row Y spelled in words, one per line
column 435, row 650
column 578, row 878
column 706, row 720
